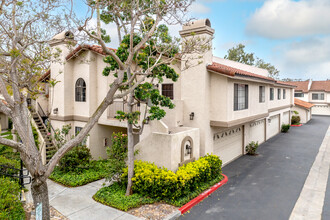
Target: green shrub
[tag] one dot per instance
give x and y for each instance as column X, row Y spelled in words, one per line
column 117, row 155
column 162, row 183
column 11, row 164
column 285, row 128
column 76, row 159
column 295, row 120
column 10, row 205
column 251, row 148
column 95, row 170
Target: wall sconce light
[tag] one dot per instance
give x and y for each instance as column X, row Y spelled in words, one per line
column 192, row 115
column 269, row 120
column 55, row 111
column 28, row 100
column 146, row 121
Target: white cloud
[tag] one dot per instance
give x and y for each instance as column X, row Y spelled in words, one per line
column 199, row 8
column 304, row 59
column 278, row 19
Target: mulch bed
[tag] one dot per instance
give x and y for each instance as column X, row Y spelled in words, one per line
column 156, row 211
column 54, row 214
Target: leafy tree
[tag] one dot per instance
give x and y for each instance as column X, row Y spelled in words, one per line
column 238, row 54
column 144, row 56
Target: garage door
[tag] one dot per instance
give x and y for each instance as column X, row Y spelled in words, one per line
column 257, row 131
column 273, row 126
column 308, row 112
column 321, row 110
column 228, row 145
column 286, row 118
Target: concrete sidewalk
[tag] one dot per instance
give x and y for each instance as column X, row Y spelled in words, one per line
column 77, row 203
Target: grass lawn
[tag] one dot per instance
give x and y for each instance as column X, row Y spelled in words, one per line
column 96, row 170
column 114, row 196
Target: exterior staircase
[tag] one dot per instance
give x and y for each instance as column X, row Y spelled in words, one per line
column 51, row 147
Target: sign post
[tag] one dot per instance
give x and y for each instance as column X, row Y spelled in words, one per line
column 39, row 211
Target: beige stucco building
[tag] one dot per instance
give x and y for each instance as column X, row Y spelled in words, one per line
column 221, row 105
column 3, row 118
column 315, row 92
column 304, row 110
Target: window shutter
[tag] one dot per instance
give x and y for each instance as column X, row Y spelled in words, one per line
column 235, row 97
column 246, row 96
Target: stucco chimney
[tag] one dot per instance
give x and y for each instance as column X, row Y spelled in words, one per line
column 65, row 37
column 198, row 27
column 310, row 84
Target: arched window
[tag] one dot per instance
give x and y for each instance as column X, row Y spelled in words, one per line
column 80, row 90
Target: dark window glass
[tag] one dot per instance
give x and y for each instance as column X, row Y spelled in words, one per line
column 317, row 96
column 167, row 90
column 278, row 94
column 241, row 97
column 298, row 94
column 271, row 93
column 80, row 90
column 284, row 94
column 77, row 130
column 261, row 94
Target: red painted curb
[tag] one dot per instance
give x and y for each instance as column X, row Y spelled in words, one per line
column 203, row 195
column 296, row 125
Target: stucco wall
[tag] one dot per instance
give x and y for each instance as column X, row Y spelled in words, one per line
column 303, row 113
column 3, row 121
column 165, row 149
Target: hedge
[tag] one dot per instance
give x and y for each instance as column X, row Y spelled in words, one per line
column 164, row 184
column 10, row 205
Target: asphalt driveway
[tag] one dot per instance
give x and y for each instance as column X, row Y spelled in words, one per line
column 267, row 186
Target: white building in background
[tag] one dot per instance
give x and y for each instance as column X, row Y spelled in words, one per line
column 221, row 105
column 315, row 92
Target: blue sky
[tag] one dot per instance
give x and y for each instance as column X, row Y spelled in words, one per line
column 293, row 35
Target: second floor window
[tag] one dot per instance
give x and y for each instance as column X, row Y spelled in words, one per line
column 80, row 90
column 271, row 93
column 284, row 94
column 167, row 90
column 317, row 96
column 241, row 96
column 261, row 94
column 298, row 94
column 278, row 94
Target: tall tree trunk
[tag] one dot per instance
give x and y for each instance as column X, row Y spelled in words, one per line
column 130, row 142
column 39, row 191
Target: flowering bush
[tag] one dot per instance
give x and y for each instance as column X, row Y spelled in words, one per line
column 162, row 183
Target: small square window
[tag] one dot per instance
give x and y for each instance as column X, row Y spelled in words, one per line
column 167, row 90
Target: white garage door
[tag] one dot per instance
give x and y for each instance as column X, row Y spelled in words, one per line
column 257, row 131
column 321, row 110
column 308, row 115
column 286, row 118
column 273, row 126
column 228, row 145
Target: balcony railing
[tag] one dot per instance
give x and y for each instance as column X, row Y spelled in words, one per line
column 119, row 106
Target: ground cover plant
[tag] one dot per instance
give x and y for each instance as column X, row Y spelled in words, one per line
column 152, row 184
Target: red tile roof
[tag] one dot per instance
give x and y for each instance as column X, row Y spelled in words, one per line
column 231, row 71
column 320, row 86
column 301, row 85
column 302, row 103
column 45, row 77
column 95, row 48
